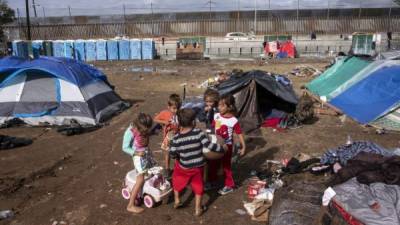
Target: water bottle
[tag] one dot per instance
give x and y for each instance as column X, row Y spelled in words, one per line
column 5, row 214
column 349, row 140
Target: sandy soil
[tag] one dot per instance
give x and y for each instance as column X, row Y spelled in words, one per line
column 78, row 179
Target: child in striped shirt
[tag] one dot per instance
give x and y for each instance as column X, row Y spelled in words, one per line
column 187, row 148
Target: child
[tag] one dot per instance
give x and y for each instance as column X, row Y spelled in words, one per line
column 187, row 148
column 168, row 119
column 211, row 98
column 226, row 125
column 135, row 142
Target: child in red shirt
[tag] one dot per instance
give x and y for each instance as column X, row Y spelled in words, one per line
column 168, row 119
column 226, row 126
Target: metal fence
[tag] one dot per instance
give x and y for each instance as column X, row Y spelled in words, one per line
column 290, row 25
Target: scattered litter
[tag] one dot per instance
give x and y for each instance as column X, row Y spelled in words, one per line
column 102, row 206
column 265, row 194
column 380, row 131
column 251, row 207
column 6, row 214
column 328, row 195
column 305, row 71
column 55, row 222
column 240, row 212
column 115, row 163
column 63, row 222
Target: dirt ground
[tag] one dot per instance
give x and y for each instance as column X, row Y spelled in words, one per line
column 78, row 179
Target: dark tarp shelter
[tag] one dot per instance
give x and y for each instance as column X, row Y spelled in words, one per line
column 257, row 93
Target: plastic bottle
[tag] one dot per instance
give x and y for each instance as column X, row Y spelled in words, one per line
column 349, row 140
column 5, row 214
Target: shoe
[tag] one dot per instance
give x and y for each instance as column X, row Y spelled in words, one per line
column 210, row 186
column 225, row 190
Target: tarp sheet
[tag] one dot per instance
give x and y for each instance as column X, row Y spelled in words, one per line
column 340, row 72
column 257, row 92
column 373, row 97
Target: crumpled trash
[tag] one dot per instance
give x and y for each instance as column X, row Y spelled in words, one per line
column 265, row 194
column 329, row 193
column 252, row 206
column 6, row 214
column 240, row 212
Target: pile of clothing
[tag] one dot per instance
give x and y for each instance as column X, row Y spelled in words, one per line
column 8, row 142
column 365, row 186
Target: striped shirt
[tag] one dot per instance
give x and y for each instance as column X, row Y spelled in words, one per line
column 188, row 148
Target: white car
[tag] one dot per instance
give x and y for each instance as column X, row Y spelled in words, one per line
column 239, row 36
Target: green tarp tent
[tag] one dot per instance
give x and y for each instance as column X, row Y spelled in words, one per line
column 343, row 70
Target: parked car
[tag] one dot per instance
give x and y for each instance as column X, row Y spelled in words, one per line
column 239, row 36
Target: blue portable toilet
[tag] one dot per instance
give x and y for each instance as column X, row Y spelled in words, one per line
column 58, row 48
column 148, row 49
column 124, row 49
column 23, row 49
column 112, row 49
column 69, row 49
column 37, row 48
column 101, row 49
column 136, row 49
column 15, row 48
column 90, row 46
column 79, row 50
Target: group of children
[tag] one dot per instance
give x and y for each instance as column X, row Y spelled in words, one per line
column 184, row 142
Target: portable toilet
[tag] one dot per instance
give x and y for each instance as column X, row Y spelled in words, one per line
column 148, row 49
column 363, row 44
column 124, row 49
column 136, row 49
column 101, row 49
column 14, row 48
column 48, row 48
column 69, row 49
column 23, row 49
column 112, row 49
column 58, row 48
column 37, row 48
column 79, row 47
column 90, row 46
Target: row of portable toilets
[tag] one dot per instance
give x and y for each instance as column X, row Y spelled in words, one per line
column 88, row 50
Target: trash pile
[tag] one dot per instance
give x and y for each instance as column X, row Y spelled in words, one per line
column 262, row 187
column 305, row 71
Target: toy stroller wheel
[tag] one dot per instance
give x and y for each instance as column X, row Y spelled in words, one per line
column 125, row 193
column 148, row 201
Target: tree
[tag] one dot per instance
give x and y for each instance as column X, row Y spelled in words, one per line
column 7, row 15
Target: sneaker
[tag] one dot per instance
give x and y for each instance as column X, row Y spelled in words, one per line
column 225, row 190
column 210, row 186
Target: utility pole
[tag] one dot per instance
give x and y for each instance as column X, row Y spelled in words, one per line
column 28, row 21
column 123, row 8
column 297, row 23
column 390, row 18
column 34, row 7
column 255, row 16
column 359, row 15
column 210, row 2
column 269, row 4
column 152, row 18
column 238, row 16
column 327, row 17
column 44, row 13
column 69, row 11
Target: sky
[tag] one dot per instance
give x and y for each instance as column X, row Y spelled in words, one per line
column 103, row 7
